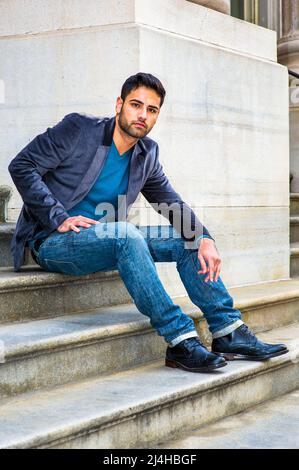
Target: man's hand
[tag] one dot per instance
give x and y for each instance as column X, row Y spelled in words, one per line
column 209, row 259
column 71, row 223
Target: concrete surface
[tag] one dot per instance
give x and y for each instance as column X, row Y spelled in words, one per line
column 147, row 404
column 270, row 425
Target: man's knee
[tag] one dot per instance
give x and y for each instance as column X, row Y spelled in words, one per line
column 129, row 237
column 127, row 230
column 123, row 230
column 118, row 230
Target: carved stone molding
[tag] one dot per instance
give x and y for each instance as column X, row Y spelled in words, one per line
column 288, row 44
column 219, row 5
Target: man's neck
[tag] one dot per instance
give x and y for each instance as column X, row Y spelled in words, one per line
column 122, row 141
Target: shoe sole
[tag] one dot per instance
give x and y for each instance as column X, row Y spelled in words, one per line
column 234, row 356
column 178, row 365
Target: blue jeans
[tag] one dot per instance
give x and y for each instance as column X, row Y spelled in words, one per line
column 133, row 252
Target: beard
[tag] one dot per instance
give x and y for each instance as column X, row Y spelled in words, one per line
column 129, row 129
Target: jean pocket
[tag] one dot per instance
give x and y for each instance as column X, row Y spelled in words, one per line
column 65, row 267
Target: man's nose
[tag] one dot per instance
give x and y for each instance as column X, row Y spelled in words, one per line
column 142, row 114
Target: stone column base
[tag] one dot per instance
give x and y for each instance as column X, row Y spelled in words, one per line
column 288, row 53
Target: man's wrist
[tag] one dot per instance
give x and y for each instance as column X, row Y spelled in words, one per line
column 198, row 239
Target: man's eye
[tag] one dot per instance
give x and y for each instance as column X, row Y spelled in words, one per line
column 135, row 105
column 153, row 111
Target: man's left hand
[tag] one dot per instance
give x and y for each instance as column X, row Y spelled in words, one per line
column 209, row 258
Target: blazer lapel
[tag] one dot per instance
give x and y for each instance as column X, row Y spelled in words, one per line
column 99, row 142
column 135, row 180
column 90, row 176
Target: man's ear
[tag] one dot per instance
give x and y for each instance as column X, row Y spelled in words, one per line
column 119, row 103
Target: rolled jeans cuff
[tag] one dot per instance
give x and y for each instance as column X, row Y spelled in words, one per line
column 190, row 334
column 228, row 329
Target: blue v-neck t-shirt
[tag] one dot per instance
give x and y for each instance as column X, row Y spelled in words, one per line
column 112, row 181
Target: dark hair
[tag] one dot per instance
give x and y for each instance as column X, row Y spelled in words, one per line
column 143, row 79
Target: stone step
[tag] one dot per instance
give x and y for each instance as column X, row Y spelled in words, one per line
column 269, row 425
column 50, row 352
column 33, row 293
column 294, row 266
column 146, row 405
column 294, row 204
column 294, row 229
column 6, row 232
column 46, row 353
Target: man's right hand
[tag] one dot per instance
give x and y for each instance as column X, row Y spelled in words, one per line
column 72, row 223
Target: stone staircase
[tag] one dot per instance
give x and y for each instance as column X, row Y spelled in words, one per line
column 82, row 368
column 270, row 425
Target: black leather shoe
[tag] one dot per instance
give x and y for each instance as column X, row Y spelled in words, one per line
column 243, row 344
column 192, row 356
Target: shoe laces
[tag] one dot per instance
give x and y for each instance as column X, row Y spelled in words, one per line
column 192, row 343
column 246, row 331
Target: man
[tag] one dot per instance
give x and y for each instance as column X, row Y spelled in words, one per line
column 67, row 175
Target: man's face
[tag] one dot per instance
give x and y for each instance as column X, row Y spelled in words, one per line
column 137, row 115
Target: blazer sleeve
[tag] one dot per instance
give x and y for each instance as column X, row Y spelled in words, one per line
column 167, row 202
column 44, row 153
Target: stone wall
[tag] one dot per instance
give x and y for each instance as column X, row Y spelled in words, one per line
column 223, row 131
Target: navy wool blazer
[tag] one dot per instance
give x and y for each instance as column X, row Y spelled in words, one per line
column 58, row 168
